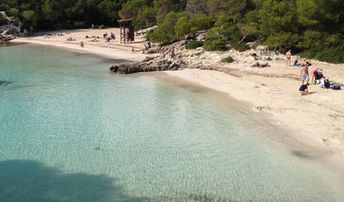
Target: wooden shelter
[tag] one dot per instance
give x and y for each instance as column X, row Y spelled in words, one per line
column 127, row 32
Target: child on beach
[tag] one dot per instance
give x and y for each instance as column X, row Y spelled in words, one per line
column 303, row 89
column 82, row 44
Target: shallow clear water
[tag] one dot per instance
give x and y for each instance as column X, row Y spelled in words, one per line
column 71, row 131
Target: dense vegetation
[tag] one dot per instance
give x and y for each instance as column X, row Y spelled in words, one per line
column 314, row 28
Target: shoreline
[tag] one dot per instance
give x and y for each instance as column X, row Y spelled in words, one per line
column 314, row 120
column 303, row 147
column 111, row 50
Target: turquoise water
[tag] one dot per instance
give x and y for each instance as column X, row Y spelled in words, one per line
column 71, row 131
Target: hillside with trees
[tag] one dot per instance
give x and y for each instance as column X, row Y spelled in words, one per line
column 314, row 28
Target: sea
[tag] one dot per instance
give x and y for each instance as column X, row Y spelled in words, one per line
column 72, row 131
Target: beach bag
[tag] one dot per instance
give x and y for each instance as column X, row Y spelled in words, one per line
column 335, row 87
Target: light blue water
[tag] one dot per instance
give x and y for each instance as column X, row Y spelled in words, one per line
column 156, row 141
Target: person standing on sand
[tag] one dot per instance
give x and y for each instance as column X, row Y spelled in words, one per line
column 288, row 56
column 305, row 74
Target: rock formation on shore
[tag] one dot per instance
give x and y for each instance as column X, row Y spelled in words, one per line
column 148, row 65
column 4, row 38
column 195, row 59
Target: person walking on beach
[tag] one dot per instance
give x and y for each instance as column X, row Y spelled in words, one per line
column 305, row 74
column 288, row 57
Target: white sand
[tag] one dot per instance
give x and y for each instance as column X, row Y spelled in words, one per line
column 316, row 120
column 113, row 49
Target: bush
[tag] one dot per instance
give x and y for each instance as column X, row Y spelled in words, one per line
column 282, row 41
column 79, row 24
column 240, row 47
column 177, row 25
column 227, row 59
column 165, row 33
column 194, row 44
column 330, row 54
column 2, row 20
column 190, row 24
column 214, row 41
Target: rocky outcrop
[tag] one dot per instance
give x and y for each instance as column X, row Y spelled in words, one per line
column 148, row 65
column 4, row 38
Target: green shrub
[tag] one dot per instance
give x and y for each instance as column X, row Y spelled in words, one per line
column 240, row 47
column 190, row 24
column 165, row 33
column 2, row 20
column 177, row 25
column 282, row 41
column 227, row 59
column 79, row 24
column 214, row 41
column 194, row 44
column 330, row 54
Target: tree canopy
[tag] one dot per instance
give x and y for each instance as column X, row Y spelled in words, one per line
column 314, row 28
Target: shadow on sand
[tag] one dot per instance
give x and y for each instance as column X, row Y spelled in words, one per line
column 26, row 181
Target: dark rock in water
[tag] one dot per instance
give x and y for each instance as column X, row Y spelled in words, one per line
column 114, row 68
column 148, row 65
column 5, row 83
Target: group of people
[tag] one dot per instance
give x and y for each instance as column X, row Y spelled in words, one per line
column 109, row 37
column 316, row 73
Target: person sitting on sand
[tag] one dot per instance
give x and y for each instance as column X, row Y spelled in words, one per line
column 70, row 39
column 303, row 89
column 94, row 39
column 82, row 44
column 296, row 63
column 304, row 74
column 254, row 55
column 147, row 45
column 257, row 64
column 113, row 36
column 288, row 57
column 317, row 75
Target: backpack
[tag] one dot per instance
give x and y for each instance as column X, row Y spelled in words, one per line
column 326, row 83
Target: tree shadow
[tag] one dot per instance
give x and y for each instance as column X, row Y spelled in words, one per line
column 26, row 181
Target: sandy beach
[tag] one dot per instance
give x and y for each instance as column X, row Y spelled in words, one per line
column 113, row 49
column 315, row 120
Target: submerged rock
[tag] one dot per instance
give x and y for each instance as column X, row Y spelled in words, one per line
column 5, row 83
